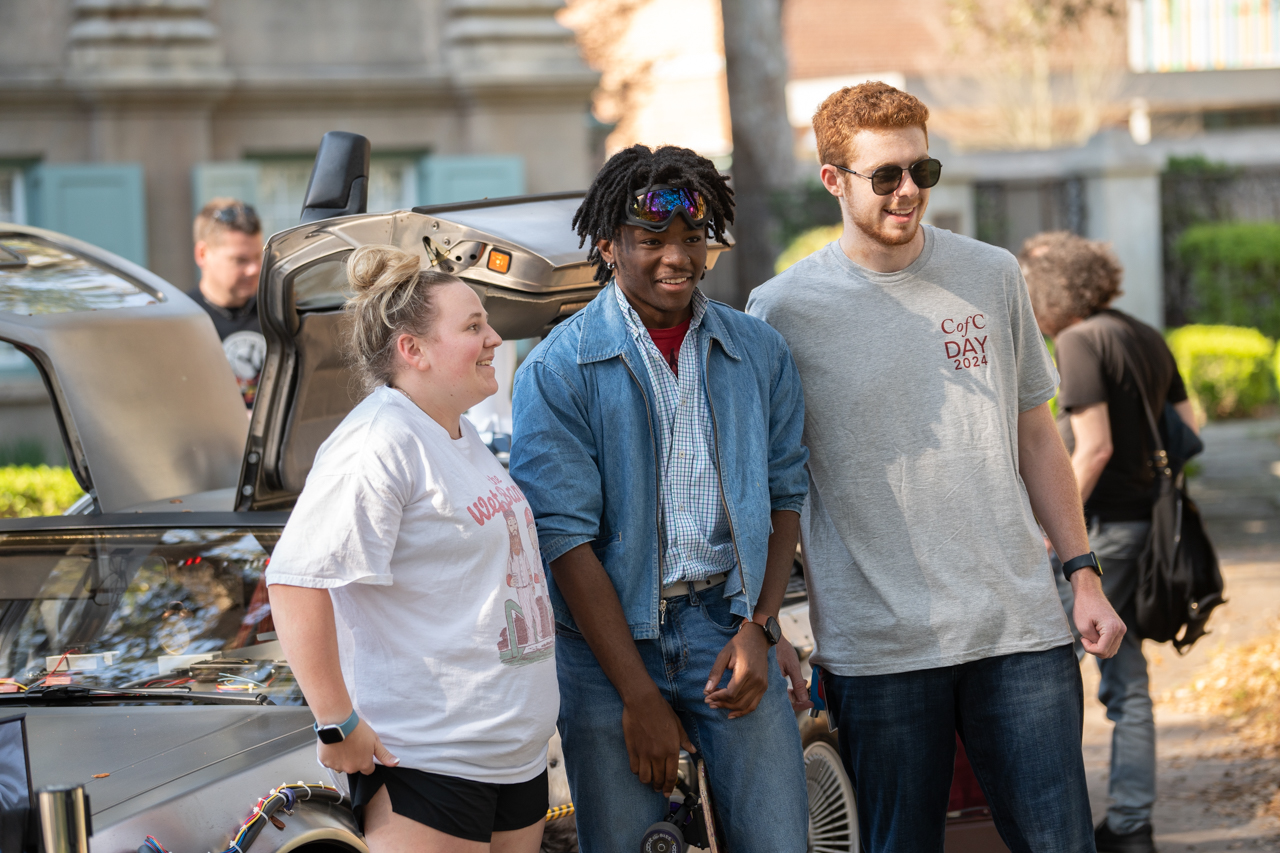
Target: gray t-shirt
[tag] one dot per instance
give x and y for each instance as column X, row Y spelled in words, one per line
column 921, row 544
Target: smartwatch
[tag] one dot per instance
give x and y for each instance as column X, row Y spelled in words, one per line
column 772, row 630
column 336, row 732
column 1084, row 561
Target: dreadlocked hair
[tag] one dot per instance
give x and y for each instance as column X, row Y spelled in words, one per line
column 638, row 169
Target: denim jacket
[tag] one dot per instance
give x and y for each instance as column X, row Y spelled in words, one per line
column 585, row 453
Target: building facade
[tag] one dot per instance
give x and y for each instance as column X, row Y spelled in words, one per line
column 118, row 118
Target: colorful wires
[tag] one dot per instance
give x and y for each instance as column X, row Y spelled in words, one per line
column 282, row 797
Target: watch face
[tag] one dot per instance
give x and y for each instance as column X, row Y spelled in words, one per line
column 772, row 630
column 330, row 734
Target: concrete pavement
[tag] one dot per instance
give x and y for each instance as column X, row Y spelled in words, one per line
column 1213, row 790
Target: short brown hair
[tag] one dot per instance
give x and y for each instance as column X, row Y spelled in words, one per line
column 872, row 105
column 221, row 215
column 1070, row 278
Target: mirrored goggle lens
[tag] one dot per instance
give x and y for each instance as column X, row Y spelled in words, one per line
column 659, row 206
column 887, row 179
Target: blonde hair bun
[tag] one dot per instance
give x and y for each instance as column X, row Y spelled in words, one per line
column 380, row 268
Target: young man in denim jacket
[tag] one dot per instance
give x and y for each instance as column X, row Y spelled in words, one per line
column 657, row 438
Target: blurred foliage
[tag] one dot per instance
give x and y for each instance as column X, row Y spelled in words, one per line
column 24, row 451
column 806, row 244
column 803, row 208
column 1198, row 166
column 1235, row 273
column 28, row 490
column 1227, row 369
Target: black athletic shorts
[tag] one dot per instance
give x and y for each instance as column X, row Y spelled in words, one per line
column 458, row 807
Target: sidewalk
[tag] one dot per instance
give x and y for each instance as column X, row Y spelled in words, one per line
column 1211, row 788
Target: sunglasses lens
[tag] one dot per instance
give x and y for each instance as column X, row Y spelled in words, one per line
column 660, row 205
column 926, row 173
column 885, row 179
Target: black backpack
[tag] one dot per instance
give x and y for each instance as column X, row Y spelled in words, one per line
column 1179, row 582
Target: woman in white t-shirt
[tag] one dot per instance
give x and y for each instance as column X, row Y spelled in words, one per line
column 410, row 600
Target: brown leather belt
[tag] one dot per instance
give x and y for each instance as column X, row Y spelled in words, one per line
column 680, row 588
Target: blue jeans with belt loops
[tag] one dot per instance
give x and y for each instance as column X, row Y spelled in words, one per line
column 1020, row 717
column 755, row 762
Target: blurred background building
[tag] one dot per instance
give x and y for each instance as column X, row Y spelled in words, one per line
column 119, row 118
column 1124, row 120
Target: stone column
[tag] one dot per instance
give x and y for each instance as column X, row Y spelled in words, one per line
column 1123, row 201
column 150, row 72
column 521, row 87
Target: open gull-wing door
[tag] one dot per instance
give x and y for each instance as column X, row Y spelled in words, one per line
column 145, row 398
column 520, row 254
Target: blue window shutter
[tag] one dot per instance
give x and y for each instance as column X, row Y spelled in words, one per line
column 444, row 180
column 236, row 179
column 100, row 203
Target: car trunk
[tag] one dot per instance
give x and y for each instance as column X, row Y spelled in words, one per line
column 521, row 256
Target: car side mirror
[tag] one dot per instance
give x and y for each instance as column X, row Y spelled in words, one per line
column 339, row 184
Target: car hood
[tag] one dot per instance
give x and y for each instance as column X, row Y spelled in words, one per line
column 136, row 756
column 145, row 398
column 520, row 255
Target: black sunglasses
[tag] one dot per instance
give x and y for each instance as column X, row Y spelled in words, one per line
column 240, row 217
column 887, row 179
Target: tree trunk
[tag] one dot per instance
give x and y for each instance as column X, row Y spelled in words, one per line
column 763, row 148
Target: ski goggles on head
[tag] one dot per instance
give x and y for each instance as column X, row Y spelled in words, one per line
column 654, row 210
column 887, row 179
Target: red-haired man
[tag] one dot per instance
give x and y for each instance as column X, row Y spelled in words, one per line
column 932, row 455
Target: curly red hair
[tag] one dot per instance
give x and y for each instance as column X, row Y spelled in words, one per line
column 873, row 106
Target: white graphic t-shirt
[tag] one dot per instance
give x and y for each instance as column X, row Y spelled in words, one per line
column 429, row 552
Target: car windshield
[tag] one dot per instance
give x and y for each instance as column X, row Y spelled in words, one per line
column 140, row 608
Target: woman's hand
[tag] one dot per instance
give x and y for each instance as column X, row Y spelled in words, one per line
column 356, row 753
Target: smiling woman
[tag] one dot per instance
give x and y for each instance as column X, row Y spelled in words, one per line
column 410, row 536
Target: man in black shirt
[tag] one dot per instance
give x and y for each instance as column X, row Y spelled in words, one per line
column 228, row 239
column 1102, row 419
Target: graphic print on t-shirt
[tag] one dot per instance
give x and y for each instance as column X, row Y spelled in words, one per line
column 529, row 633
column 966, row 341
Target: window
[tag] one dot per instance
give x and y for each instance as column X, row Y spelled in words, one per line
column 282, row 187
column 13, row 207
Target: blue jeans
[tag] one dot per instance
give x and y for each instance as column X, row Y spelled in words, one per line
column 1124, row 687
column 755, row 762
column 1020, row 717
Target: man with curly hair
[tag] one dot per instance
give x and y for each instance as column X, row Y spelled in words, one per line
column 1107, row 360
column 932, row 455
column 657, row 437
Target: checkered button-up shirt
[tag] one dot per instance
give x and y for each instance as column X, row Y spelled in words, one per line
column 696, row 541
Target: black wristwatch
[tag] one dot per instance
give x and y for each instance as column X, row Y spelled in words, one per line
column 1084, row 561
column 772, row 630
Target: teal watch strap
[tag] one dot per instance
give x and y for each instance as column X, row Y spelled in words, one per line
column 346, row 727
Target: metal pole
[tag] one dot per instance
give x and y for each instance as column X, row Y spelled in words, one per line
column 64, row 819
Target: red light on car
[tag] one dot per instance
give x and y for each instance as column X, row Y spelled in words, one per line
column 499, row 261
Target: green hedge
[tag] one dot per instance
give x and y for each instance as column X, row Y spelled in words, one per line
column 1228, row 370
column 36, row 490
column 1235, row 273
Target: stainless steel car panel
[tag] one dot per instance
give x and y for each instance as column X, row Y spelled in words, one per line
column 188, row 776
column 147, row 400
column 158, row 751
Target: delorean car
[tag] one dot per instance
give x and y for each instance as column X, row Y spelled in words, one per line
column 136, row 642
